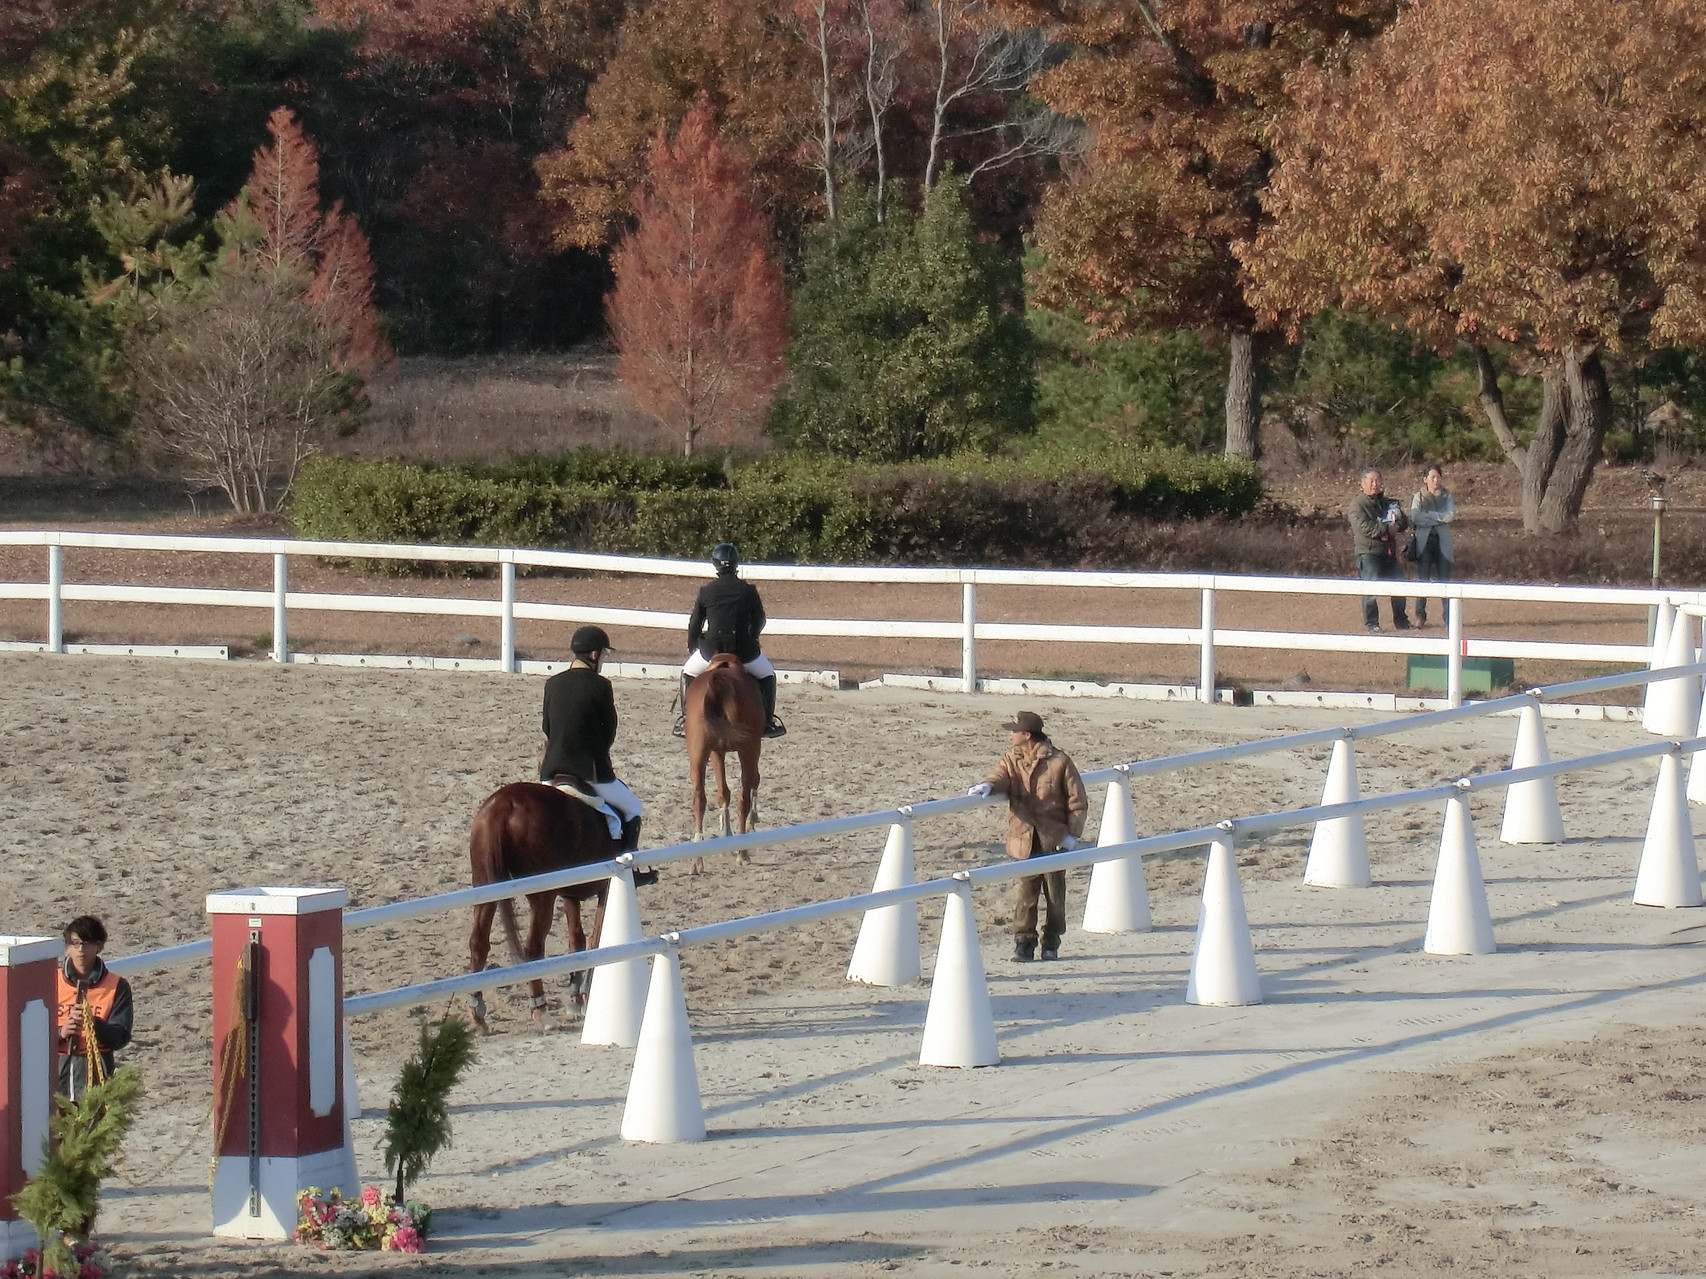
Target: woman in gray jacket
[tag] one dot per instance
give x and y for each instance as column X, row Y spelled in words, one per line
column 1432, row 511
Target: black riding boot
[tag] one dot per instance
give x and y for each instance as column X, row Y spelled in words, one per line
column 630, row 844
column 679, row 728
column 767, row 694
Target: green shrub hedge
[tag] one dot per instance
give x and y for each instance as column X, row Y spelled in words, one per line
column 1059, row 509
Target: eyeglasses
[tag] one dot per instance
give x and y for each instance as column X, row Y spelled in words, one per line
column 78, row 944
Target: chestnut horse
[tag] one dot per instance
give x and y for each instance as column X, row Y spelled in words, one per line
column 522, row 829
column 724, row 713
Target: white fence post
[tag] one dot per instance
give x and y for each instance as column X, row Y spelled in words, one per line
column 56, row 599
column 1454, row 658
column 280, row 588
column 506, row 571
column 1205, row 668
column 968, row 635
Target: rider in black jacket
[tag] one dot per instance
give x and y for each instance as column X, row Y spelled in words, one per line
column 728, row 617
column 579, row 723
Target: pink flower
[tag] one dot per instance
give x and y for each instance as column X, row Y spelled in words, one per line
column 405, row 1239
column 370, row 1196
column 90, row 1270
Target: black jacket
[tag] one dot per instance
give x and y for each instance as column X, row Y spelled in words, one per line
column 580, row 725
column 727, row 617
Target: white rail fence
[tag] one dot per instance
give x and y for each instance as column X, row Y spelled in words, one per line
column 1455, row 645
column 628, row 1008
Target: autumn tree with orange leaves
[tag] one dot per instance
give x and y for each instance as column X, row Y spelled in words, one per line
column 1493, row 170
column 698, row 312
column 246, row 361
column 1179, row 98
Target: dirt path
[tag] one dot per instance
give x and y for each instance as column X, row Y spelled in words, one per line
column 1528, row 1111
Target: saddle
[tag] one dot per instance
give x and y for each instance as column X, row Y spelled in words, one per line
column 575, row 788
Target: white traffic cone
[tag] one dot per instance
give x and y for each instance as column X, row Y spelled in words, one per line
column 1223, row 967
column 1338, row 853
column 1459, row 922
column 886, row 953
column 1118, row 898
column 1673, row 706
column 663, row 1092
column 1696, row 770
column 1670, row 872
column 959, row 1028
column 1531, row 808
column 616, row 1004
column 1662, row 620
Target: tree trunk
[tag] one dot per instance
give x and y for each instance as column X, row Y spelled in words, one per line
column 1243, row 395
column 1493, row 405
column 1542, row 454
column 1587, row 398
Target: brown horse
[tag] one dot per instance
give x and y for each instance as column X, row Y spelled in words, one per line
column 523, row 829
column 724, row 713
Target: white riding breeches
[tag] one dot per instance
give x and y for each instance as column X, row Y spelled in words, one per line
column 697, row 664
column 617, row 804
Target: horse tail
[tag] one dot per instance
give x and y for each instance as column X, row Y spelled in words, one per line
column 723, row 706
column 506, row 912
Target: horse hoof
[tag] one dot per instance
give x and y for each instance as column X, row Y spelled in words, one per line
column 743, row 858
column 696, row 866
column 481, row 1025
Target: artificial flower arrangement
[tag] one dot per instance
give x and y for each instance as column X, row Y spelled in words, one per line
column 372, row 1222
column 417, row 1128
column 88, row 1262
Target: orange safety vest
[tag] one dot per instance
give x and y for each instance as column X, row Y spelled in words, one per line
column 100, row 997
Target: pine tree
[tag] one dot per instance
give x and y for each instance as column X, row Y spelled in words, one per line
column 417, row 1125
column 698, row 312
column 61, row 1200
column 908, row 338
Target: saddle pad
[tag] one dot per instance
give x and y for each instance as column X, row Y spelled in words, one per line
column 574, row 786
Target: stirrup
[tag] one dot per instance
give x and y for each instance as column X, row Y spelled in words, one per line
column 776, row 728
column 679, row 728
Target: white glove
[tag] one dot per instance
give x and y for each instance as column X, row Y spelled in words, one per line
column 982, row 790
column 1069, row 843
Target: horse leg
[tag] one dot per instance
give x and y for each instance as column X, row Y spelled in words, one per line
column 581, row 982
column 577, row 942
column 749, row 779
column 479, row 951
column 541, row 906
column 697, row 762
column 720, row 763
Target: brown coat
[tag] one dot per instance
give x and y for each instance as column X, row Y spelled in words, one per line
column 1044, row 793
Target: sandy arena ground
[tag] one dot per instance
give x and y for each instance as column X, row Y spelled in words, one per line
column 1535, row 1112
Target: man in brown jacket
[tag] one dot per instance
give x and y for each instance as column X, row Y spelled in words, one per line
column 1046, row 807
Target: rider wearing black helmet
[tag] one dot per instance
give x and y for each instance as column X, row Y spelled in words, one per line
column 580, row 726
column 727, row 618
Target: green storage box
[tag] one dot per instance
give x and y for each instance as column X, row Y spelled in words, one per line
column 1480, row 674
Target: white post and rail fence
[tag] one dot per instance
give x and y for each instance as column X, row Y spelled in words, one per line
column 1127, row 591
column 278, row 991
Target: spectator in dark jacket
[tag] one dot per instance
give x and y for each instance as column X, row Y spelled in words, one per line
column 1376, row 523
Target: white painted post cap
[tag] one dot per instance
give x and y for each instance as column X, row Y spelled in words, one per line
column 276, row 901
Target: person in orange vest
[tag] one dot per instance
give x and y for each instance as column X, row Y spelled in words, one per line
column 91, row 995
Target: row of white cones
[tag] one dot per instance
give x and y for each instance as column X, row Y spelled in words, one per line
column 663, row 1104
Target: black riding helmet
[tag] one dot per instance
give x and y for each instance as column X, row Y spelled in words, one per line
column 726, row 557
column 589, row 639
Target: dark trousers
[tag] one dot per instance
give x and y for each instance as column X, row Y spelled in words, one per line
column 1381, row 568
column 1051, row 888
column 1431, row 566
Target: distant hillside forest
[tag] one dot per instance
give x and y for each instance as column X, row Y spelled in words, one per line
column 888, row 232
